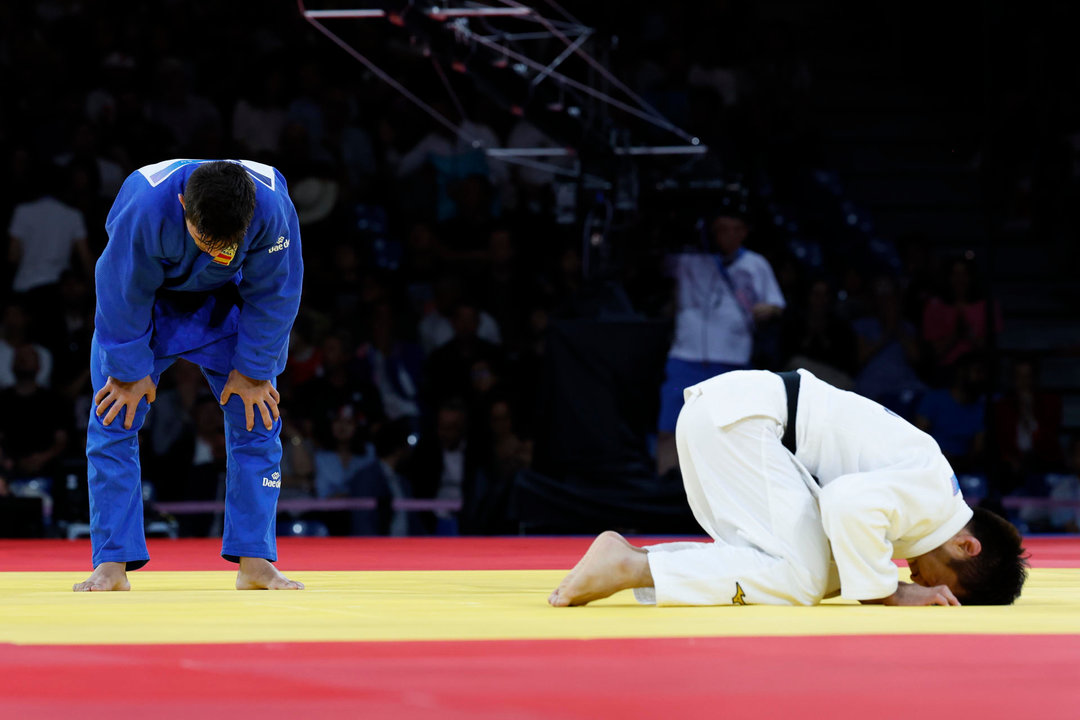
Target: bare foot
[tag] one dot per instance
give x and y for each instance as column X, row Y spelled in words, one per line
column 260, row 574
column 611, row 564
column 106, row 576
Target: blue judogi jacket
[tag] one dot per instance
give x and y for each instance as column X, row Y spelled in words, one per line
column 151, row 257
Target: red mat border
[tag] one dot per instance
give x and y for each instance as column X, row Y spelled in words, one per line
column 839, row 677
column 297, row 554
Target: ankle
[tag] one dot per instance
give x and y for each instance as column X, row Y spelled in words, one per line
column 637, row 564
column 634, row 569
column 111, row 567
column 644, row 578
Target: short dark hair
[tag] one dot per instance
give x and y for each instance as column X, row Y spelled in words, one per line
column 996, row 575
column 219, row 200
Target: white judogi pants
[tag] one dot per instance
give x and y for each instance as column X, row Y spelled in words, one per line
column 760, row 507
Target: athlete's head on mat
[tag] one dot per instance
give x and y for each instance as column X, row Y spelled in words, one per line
column 219, row 202
column 983, row 564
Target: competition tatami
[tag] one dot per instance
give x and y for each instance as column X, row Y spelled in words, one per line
column 202, row 607
column 459, row 627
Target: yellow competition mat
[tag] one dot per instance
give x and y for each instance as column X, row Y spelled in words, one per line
column 202, row 607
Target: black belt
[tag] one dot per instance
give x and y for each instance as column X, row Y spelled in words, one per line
column 791, row 387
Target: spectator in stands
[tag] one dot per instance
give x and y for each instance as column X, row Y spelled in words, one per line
column 854, row 299
column 534, row 184
column 20, row 179
column 1062, row 490
column 817, row 338
column 306, row 108
column 446, row 464
column 565, row 280
column 305, row 356
column 338, row 383
column 394, row 366
column 954, row 322
column 346, row 454
column 465, row 233
column 135, row 132
column 16, row 335
column 955, row 416
column 449, row 370
column 510, row 452
column 722, row 295
column 209, row 446
column 917, row 285
column 44, row 234
column 259, row 115
column 484, row 381
column 341, row 285
column 386, row 481
column 107, row 175
column 454, row 152
column 1027, row 425
column 188, row 116
column 888, row 352
column 71, row 345
column 423, row 264
column 346, row 142
column 297, row 460
column 34, row 422
column 1066, row 488
column 294, row 157
column 437, row 326
column 169, row 440
column 488, row 508
column 205, row 467
column 504, row 288
column 84, row 194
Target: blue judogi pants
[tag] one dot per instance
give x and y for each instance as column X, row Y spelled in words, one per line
column 254, row 457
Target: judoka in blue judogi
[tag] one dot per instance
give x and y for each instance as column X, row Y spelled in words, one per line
column 203, row 263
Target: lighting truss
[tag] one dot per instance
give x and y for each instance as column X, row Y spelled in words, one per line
column 495, row 31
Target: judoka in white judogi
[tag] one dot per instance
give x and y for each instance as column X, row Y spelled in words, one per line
column 863, row 487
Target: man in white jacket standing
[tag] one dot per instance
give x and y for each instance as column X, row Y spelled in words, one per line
column 808, row 491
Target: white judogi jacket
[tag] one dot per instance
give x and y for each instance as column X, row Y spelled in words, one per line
column 886, row 491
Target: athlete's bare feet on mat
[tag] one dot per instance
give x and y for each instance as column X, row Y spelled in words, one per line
column 106, row 576
column 611, row 564
column 260, row 574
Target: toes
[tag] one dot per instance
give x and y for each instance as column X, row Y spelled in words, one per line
column 87, row 586
column 267, row 578
column 279, row 583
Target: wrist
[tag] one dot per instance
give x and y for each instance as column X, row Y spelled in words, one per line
column 250, row 378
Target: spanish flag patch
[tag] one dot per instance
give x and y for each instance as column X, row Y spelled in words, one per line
column 225, row 256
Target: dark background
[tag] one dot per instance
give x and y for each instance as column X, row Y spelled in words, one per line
column 873, row 146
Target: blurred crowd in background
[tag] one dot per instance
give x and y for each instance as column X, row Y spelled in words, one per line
column 433, row 272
